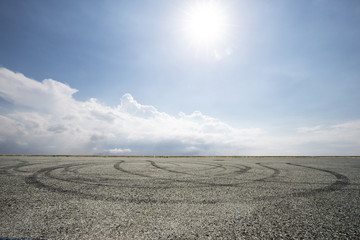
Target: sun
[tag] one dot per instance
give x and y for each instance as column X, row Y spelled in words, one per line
column 205, row 24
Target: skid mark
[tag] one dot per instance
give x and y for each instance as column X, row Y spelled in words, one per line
column 241, row 170
column 117, row 167
column 341, row 182
column 95, row 182
column 212, row 166
column 71, row 174
column 73, row 169
column 22, row 163
column 34, row 181
column 17, row 167
column 276, row 173
column 191, row 181
column 77, row 179
column 154, row 164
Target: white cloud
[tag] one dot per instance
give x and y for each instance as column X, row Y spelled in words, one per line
column 119, row 150
column 44, row 118
column 45, row 95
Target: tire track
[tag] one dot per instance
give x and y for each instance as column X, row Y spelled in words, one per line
column 166, row 169
column 206, row 184
column 76, row 179
column 276, row 173
column 154, row 164
column 242, row 170
column 117, row 167
column 95, row 182
column 33, row 180
column 341, row 182
column 79, row 184
column 6, row 169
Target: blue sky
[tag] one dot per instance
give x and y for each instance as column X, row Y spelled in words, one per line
column 283, row 69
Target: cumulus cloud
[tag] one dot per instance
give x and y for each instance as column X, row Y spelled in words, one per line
column 44, row 118
column 119, row 150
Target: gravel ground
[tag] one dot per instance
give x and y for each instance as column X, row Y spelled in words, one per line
column 179, row 198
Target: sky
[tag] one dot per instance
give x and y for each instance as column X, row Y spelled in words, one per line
column 199, row 77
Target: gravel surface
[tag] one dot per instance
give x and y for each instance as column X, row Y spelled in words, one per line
column 179, row 198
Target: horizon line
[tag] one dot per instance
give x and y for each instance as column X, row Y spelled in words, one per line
column 179, row 156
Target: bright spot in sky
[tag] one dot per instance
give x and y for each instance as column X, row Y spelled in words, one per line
column 205, row 24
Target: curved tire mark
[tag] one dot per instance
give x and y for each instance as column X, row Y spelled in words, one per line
column 276, row 172
column 154, row 164
column 6, row 169
column 33, row 180
column 243, row 169
column 117, row 166
column 341, row 182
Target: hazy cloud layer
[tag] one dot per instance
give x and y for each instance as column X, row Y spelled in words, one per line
column 44, row 118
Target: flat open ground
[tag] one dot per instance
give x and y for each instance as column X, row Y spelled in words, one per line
column 179, row 198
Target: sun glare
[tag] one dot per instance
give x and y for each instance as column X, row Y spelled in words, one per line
column 205, row 24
